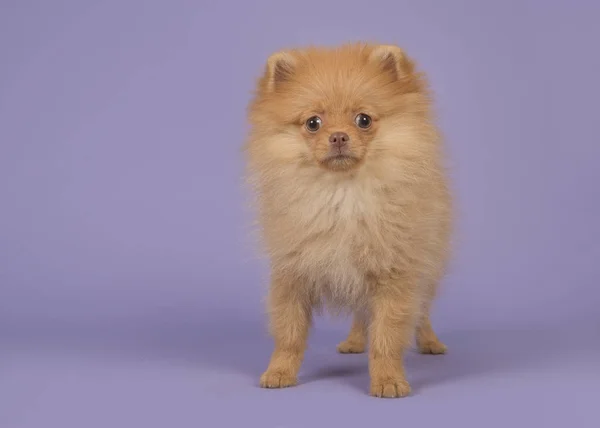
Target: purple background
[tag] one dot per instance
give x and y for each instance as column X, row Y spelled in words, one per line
column 130, row 291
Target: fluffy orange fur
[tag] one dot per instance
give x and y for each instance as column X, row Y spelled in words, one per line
column 366, row 230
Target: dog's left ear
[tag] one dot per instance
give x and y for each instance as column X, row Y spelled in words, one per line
column 392, row 59
column 280, row 68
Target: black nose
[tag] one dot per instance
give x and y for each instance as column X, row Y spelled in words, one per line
column 339, row 139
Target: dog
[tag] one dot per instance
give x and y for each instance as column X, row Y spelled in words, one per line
column 346, row 165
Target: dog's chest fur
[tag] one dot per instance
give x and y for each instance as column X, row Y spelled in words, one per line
column 338, row 234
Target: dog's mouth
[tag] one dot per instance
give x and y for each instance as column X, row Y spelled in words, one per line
column 339, row 161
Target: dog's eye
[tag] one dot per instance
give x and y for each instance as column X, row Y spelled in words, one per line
column 313, row 124
column 363, row 121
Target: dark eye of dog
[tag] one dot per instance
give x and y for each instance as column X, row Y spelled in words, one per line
column 363, row 121
column 313, row 124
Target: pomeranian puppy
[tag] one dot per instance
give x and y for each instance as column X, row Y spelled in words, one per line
column 347, row 167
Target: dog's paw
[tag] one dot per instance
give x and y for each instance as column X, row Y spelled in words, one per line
column 432, row 347
column 390, row 388
column 351, row 347
column 277, row 379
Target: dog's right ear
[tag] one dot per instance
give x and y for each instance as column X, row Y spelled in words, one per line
column 280, row 68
